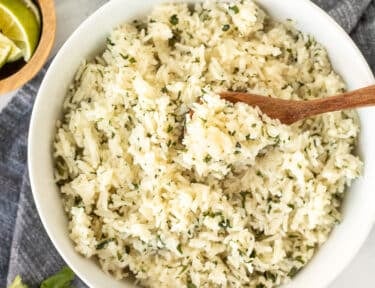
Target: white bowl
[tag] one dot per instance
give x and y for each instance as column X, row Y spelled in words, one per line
column 88, row 40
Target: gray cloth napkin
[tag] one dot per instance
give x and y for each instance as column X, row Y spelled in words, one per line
column 25, row 248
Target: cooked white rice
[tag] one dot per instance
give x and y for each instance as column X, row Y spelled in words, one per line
column 223, row 196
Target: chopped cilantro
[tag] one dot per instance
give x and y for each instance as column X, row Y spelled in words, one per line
column 299, row 259
column 109, row 41
column 225, row 223
column 103, row 243
column 173, row 19
column 179, row 249
column 253, row 254
column 183, row 269
column 270, row 276
column 175, row 39
column 291, row 206
column 132, row 60
column 293, row 272
column 235, row 9
column 127, row 249
column 225, row 27
column 243, row 195
column 125, row 57
column 190, row 285
column 207, row 158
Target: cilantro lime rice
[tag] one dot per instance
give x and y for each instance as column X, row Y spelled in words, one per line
column 165, row 182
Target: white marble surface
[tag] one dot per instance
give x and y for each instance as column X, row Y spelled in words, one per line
column 360, row 273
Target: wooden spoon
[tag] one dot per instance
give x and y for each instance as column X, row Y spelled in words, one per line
column 290, row 111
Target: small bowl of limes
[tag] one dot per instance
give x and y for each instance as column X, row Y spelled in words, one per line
column 27, row 32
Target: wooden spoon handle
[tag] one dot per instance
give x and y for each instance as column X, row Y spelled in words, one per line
column 290, row 111
column 348, row 100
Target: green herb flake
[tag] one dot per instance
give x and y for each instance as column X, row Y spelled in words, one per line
column 103, row 243
column 235, row 9
column 176, row 38
column 125, row 57
column 164, row 90
column 78, row 201
column 291, row 206
column 299, row 259
column 203, row 120
column 270, row 276
column 293, row 272
column 169, row 129
column 132, row 60
column 207, row 158
column 243, row 195
column 179, row 249
column 184, row 268
column 253, row 254
column 225, row 223
column 109, row 42
column 161, row 241
column 190, row 285
column 260, row 285
column 173, row 19
column 225, row 27
column 212, row 214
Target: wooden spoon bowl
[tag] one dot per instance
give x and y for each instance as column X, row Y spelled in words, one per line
column 47, row 37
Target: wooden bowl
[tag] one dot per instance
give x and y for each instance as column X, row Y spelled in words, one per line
column 47, row 37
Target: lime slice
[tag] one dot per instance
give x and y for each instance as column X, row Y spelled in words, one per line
column 32, row 6
column 15, row 52
column 4, row 53
column 20, row 25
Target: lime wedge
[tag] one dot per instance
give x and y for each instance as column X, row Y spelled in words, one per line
column 20, row 25
column 32, row 6
column 15, row 52
column 4, row 53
